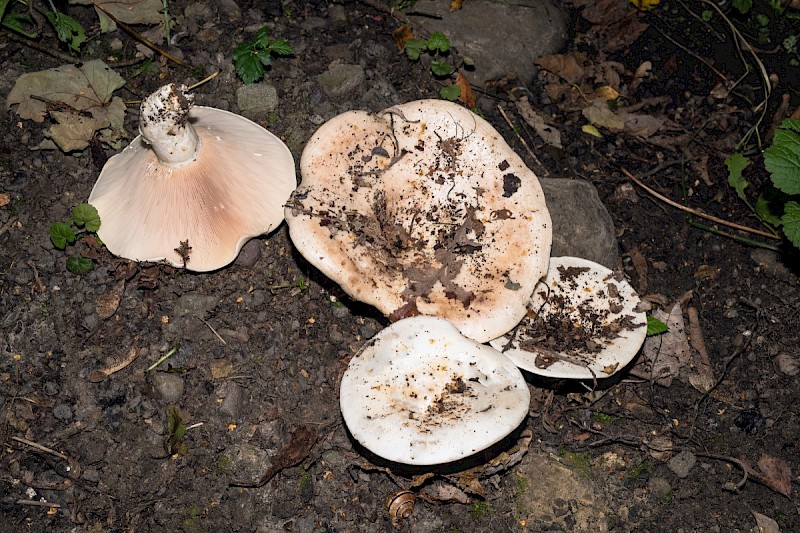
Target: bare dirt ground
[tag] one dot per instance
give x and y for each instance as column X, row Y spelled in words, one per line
column 259, row 350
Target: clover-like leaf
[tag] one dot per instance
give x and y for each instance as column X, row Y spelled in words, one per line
column 61, row 235
column 86, row 215
column 438, row 42
column 414, row 48
column 441, row 68
column 452, row 92
column 79, row 265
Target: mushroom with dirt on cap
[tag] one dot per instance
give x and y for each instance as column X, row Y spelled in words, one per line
column 420, row 393
column 423, row 209
column 194, row 186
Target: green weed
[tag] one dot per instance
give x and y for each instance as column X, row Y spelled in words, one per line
column 251, row 58
column 85, row 220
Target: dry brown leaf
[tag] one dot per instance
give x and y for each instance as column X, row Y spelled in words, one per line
column 401, row 36
column 549, row 134
column 642, row 126
column 601, row 115
column 566, row 66
column 766, row 524
column 221, row 368
column 641, row 73
column 668, row 353
column 775, row 473
column 108, row 303
column 467, row 95
column 455, row 5
column 445, row 493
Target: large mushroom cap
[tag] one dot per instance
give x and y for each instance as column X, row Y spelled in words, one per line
column 420, row 393
column 584, row 323
column 196, row 174
column 423, row 209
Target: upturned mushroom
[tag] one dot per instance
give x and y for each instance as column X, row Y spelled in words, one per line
column 583, row 322
column 423, row 209
column 420, row 393
column 194, row 186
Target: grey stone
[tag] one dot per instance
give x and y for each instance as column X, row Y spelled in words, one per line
column 659, row 488
column 682, row 463
column 192, row 303
column 256, row 100
column 62, row 412
column 341, row 79
column 168, row 386
column 232, row 400
column 249, row 254
column 502, row 38
column 582, row 226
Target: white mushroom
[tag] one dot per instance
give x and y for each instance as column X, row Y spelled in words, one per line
column 420, row 393
column 423, row 209
column 582, row 323
column 194, row 186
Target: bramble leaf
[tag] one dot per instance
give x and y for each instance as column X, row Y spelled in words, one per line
column 764, row 211
column 86, row 215
column 79, row 265
column 655, row 326
column 736, row 163
column 281, row 47
column 782, row 159
column 791, row 222
column 61, row 235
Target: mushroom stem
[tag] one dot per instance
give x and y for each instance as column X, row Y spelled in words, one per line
column 165, row 127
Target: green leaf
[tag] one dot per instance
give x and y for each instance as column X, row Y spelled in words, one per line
column 61, row 235
column 68, row 29
column 86, row 215
column 764, row 211
column 261, row 38
column 414, row 48
column 441, row 68
column 736, row 163
column 265, row 57
column 21, row 23
column 249, row 68
column 655, row 326
column 438, row 42
column 79, row 265
column 452, row 92
column 281, row 47
column 782, row 159
column 791, row 222
column 744, row 6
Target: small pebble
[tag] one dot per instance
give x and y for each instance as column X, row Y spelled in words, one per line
column 232, row 402
column 62, row 412
column 168, row 386
column 659, row 487
column 682, row 464
column 788, row 364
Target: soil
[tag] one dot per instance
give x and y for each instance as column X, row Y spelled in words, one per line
column 92, row 437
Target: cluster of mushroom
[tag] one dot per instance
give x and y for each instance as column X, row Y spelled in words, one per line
column 424, row 211
column 421, row 210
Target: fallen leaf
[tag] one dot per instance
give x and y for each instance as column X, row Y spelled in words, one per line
column 221, row 369
column 549, row 134
column 445, row 493
column 401, row 36
column 108, row 303
column 599, row 114
column 455, row 5
column 127, row 11
column 566, row 66
column 607, row 92
column 642, row 126
column 668, row 353
column 776, row 473
column 591, row 130
column 293, row 452
column 467, row 95
column 641, row 73
column 766, row 524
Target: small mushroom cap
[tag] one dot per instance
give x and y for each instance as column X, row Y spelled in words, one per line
column 234, row 188
column 420, row 393
column 423, row 209
column 599, row 310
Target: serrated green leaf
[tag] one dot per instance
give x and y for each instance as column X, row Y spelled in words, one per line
column 249, row 68
column 86, row 215
column 61, row 235
column 438, row 42
column 743, row 6
column 281, row 47
column 265, row 57
column 68, row 29
column 655, row 326
column 782, row 159
column 441, row 68
column 414, row 48
column 452, row 92
column 736, row 163
column 261, row 38
column 79, row 265
column 791, row 222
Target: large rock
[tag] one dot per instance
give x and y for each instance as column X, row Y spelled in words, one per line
column 503, row 38
column 582, row 226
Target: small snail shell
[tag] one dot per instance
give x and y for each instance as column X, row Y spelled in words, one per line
column 401, row 504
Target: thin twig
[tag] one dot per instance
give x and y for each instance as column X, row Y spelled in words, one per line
column 5, row 227
column 213, row 331
column 37, row 503
column 40, row 447
column 524, row 143
column 696, row 212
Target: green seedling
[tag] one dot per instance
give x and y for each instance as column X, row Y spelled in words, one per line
column 297, row 286
column 61, row 234
column 16, row 17
column 251, row 58
column 438, row 47
column 68, row 30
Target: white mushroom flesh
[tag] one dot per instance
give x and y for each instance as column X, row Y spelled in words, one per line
column 421, row 393
column 423, row 209
column 154, row 196
column 583, row 323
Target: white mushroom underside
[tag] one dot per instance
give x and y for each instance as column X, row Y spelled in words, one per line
column 423, row 205
column 420, row 393
column 234, row 190
column 597, row 304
